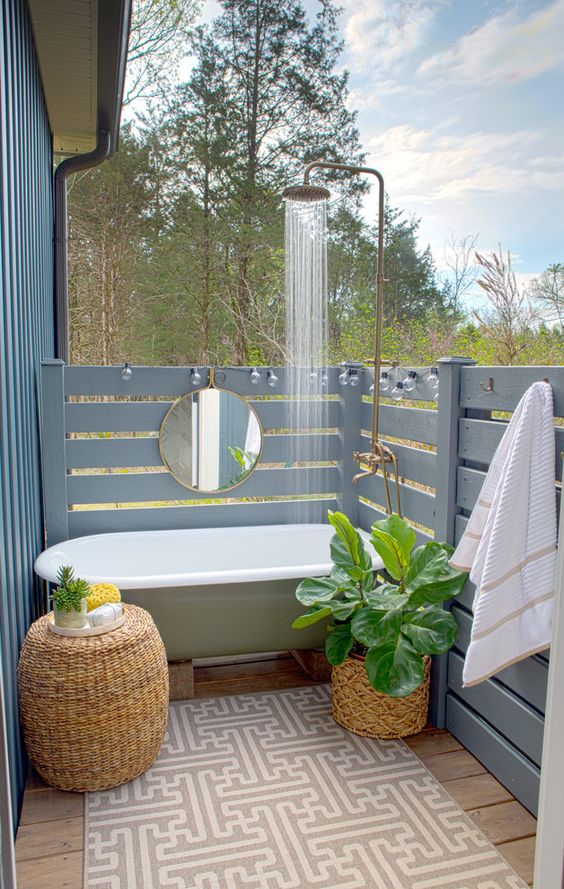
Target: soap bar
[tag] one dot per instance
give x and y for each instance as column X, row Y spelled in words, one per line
column 105, row 614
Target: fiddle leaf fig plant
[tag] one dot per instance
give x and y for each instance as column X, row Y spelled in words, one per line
column 391, row 624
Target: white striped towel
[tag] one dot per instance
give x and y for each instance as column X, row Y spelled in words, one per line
column 509, row 545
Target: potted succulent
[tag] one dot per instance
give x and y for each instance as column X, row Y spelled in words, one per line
column 69, row 599
column 382, row 631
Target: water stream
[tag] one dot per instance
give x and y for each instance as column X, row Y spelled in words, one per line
column 306, row 337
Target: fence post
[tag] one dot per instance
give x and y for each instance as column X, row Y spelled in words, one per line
column 53, row 457
column 350, row 399
column 446, row 510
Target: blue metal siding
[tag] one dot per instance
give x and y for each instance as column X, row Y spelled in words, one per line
column 27, row 335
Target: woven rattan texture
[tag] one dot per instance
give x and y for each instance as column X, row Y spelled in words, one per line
column 364, row 711
column 93, row 710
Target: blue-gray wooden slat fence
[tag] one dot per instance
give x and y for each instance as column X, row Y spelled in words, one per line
column 27, row 333
column 500, row 720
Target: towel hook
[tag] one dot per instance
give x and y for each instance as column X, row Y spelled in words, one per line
column 489, row 387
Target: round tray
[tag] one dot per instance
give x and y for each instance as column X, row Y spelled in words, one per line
column 84, row 631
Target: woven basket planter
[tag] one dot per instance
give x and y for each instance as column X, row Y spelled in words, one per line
column 362, row 710
column 93, row 710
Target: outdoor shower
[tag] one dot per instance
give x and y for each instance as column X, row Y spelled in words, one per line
column 380, row 455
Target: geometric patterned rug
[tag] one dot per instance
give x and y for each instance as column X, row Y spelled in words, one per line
column 266, row 791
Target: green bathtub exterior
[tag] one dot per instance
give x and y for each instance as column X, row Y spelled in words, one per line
column 228, row 619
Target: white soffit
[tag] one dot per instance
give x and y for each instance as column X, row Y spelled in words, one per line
column 66, row 37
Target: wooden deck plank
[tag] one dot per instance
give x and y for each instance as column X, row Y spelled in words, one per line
column 50, row 838
column 454, row 764
column 476, row 792
column 521, row 856
column 51, row 805
column 504, row 822
column 249, row 685
column 433, row 742
column 60, row 871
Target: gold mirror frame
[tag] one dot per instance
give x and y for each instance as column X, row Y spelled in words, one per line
column 188, row 395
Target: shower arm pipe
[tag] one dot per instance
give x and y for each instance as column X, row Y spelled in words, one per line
column 349, row 168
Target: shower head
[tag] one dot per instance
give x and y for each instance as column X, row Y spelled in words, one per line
column 305, row 193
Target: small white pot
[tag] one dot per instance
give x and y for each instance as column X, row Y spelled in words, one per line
column 73, row 619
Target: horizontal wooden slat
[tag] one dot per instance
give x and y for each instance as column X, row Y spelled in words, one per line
column 177, row 381
column 278, row 415
column 509, row 385
column 468, row 487
column 101, row 521
column 143, row 416
column 367, row 515
column 147, row 416
column 422, row 391
column 238, row 380
column 411, row 423
column 90, row 453
column 515, row 771
column 86, row 380
column 419, row 506
column 479, row 439
column 507, row 713
column 152, row 486
column 469, row 484
column 413, row 463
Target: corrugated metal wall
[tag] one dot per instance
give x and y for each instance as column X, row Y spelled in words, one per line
column 26, row 335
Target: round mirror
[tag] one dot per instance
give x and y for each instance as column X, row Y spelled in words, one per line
column 210, row 440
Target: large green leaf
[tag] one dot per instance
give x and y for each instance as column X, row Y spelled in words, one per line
column 436, row 580
column 403, row 534
column 394, row 667
column 420, row 556
column 347, row 547
column 342, row 579
column 386, row 596
column 347, row 533
column 312, row 616
column 316, row 589
column 389, row 551
column 338, row 643
column 432, row 631
column 371, row 626
column 342, row 610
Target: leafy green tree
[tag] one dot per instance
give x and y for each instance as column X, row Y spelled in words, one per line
column 109, row 239
column 290, row 107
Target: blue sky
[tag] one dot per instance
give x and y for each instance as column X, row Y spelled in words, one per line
column 461, row 107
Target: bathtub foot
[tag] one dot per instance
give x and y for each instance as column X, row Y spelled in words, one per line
column 181, row 680
column 314, row 662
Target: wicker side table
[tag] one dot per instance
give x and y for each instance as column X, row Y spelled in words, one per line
column 93, row 710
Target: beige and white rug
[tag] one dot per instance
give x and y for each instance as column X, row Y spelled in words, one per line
column 265, row 791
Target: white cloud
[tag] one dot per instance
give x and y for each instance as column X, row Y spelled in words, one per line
column 505, row 50
column 381, row 33
column 424, row 166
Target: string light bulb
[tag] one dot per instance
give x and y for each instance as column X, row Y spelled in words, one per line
column 397, row 391
column 433, row 378
column 410, row 381
column 384, row 381
column 344, row 378
column 126, row 372
column 195, row 377
column 255, row 377
column 272, row 379
column 354, row 378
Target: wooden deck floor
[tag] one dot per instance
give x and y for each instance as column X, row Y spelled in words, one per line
column 49, row 846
